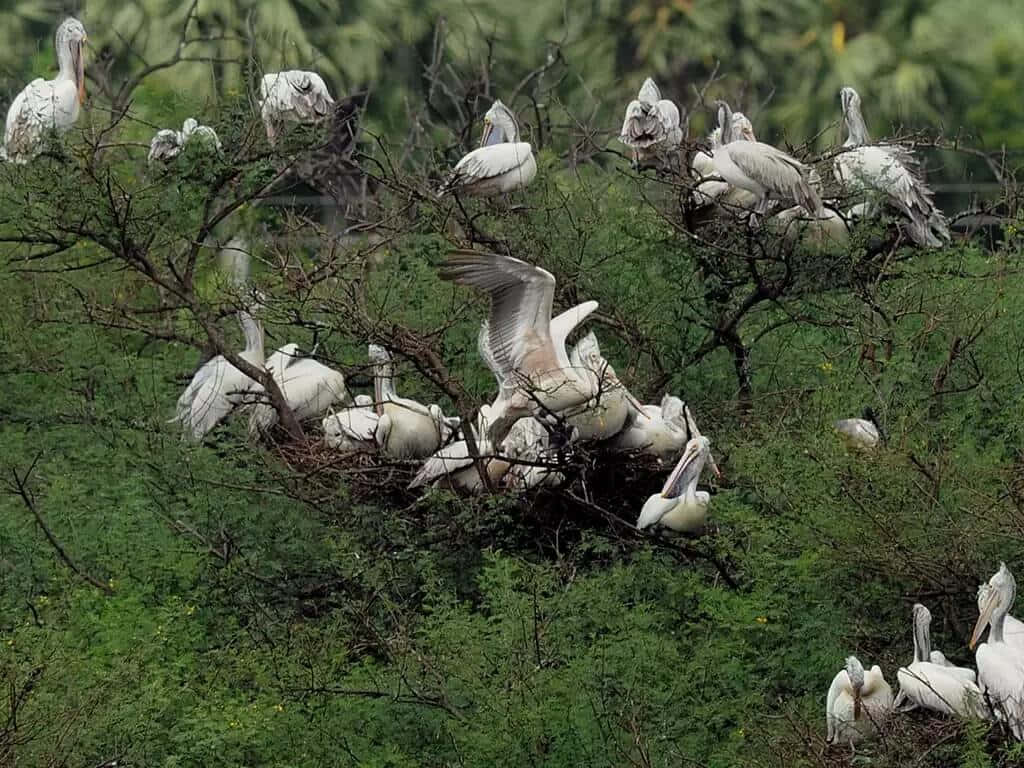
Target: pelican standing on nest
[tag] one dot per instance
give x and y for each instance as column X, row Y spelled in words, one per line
column 48, row 105
column 1000, row 665
column 680, row 506
column 762, row 169
column 499, row 165
column 861, row 434
column 532, row 362
column 308, row 386
column 168, row 144
column 293, row 96
column 934, row 686
column 651, row 128
column 886, row 170
column 661, row 435
column 857, row 704
column 406, row 429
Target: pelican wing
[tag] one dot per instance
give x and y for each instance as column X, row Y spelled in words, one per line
column 643, row 126
column 932, row 686
column 483, row 346
column 840, row 683
column 487, row 163
column 309, row 387
column 208, row 369
column 521, row 296
column 449, row 459
column 1001, row 677
column 774, row 169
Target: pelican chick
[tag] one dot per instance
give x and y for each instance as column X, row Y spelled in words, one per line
column 861, row 434
column 499, row 165
column 168, row 144
column 651, row 127
column 293, row 96
column 662, row 434
column 605, row 415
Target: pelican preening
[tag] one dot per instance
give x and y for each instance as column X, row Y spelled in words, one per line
column 861, row 434
column 168, row 144
column 857, row 705
column 651, row 127
column 886, row 170
column 1000, row 665
column 500, row 164
column 292, row 96
column 48, row 105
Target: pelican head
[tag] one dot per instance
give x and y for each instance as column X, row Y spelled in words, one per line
column 691, row 463
column 855, row 671
column 855, row 126
column 849, row 98
column 499, row 125
column 189, row 126
column 694, row 432
column 742, row 127
column 381, row 360
column 994, row 601
column 70, row 38
column 378, row 355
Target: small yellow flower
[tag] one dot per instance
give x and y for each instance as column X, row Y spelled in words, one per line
column 762, row 619
column 189, row 610
column 233, row 724
column 42, row 600
column 10, row 641
column 826, row 367
column 279, row 707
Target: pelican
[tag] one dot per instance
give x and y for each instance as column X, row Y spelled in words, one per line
column 529, row 442
column 531, row 359
column 406, row 429
column 862, row 434
column 606, row 414
column 48, row 105
column 886, row 170
column 499, row 165
column 454, row 466
column 1000, row 665
column 762, row 169
column 218, row 387
column 651, row 128
column 930, row 685
column 352, row 429
column 309, row 387
column 661, row 435
column 680, row 506
column 295, row 96
column 857, row 704
column 1013, row 629
column 710, row 190
column 168, row 144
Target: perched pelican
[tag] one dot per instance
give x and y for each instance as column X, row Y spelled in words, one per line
column 711, row 190
column 500, row 164
column 605, row 415
column 862, row 434
column 1000, row 665
column 352, row 429
column 661, row 435
column 930, row 685
column 702, row 163
column 532, row 361
column 886, row 170
column 762, row 169
column 48, row 105
column 406, row 429
column 294, row 96
column 308, row 386
column 1013, row 629
column 454, row 467
column 651, row 128
column 680, row 506
column 168, row 144
column 857, row 704
column 529, row 441
column 218, row 387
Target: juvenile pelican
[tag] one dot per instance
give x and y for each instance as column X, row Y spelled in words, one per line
column 711, row 190
column 857, row 704
column 168, row 144
column 661, row 435
column 48, row 105
column 861, row 434
column 532, row 362
column 762, row 169
column 886, row 170
column 309, row 387
column 680, row 506
column 930, row 685
column 1000, row 665
column 352, row 429
column 651, row 128
column 499, row 165
column 294, row 96
column 606, row 414
column 406, row 429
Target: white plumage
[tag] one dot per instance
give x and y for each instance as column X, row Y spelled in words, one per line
column 354, row 428
column 651, row 127
column 167, row 144
column 661, row 435
column 711, row 190
column 680, row 506
column 605, row 415
column 861, row 434
column 857, row 704
column 48, row 105
column 1000, row 665
column 293, row 96
column 308, row 386
column 501, row 164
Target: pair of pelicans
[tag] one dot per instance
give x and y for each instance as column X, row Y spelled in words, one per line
column 741, row 172
column 859, row 701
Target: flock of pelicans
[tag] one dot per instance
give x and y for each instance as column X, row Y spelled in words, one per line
column 550, row 396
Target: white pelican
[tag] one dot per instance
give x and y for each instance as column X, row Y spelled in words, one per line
column 48, row 105
column 168, row 144
column 1013, row 629
column 218, row 387
column 605, row 415
column 857, row 704
column 886, row 170
column 453, row 466
column 711, row 190
column 406, row 429
column 680, row 506
column 294, row 96
column 661, row 435
column 309, row 387
column 499, row 165
column 530, row 441
column 531, row 359
column 862, row 434
column 930, row 685
column 762, row 169
column 1000, row 665
column 353, row 429
column 651, row 127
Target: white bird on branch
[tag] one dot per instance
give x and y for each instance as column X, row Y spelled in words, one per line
column 292, row 96
column 651, row 127
column 662, row 434
column 168, row 144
